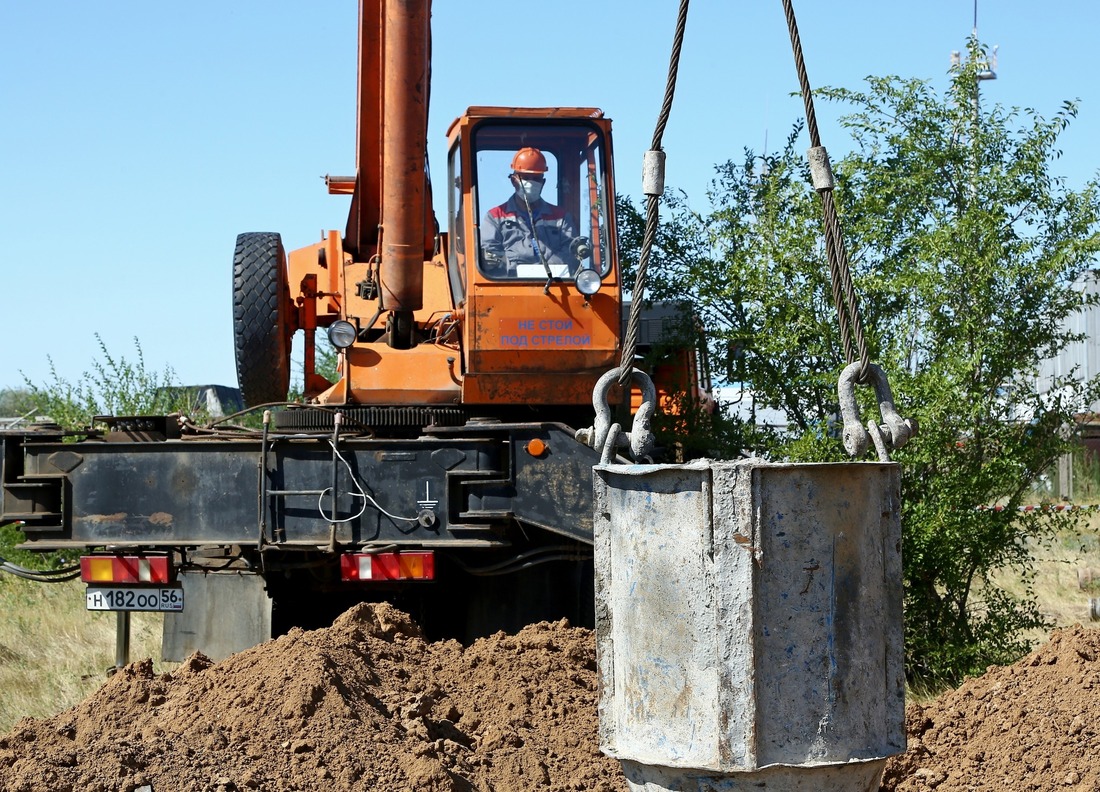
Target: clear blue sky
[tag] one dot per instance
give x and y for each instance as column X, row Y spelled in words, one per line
column 139, row 138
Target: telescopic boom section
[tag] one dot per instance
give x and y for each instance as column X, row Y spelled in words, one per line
column 391, row 191
column 361, row 236
column 404, row 139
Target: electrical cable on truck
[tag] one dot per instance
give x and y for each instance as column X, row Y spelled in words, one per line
column 39, row 575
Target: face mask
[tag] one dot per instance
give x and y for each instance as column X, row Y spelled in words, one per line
column 531, row 189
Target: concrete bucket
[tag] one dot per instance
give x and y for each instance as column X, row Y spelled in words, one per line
column 749, row 624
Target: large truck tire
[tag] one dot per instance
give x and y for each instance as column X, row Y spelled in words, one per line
column 261, row 318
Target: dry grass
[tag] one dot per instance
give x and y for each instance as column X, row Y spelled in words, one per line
column 1061, row 568
column 53, row 652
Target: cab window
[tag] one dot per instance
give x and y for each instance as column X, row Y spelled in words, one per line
column 541, row 200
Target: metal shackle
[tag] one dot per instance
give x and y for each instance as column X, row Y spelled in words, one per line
column 894, row 429
column 608, row 437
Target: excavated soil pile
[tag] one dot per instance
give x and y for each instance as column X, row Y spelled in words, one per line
column 364, row 704
column 368, row 704
column 1034, row 725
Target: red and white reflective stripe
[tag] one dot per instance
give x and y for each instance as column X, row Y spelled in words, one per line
column 125, row 569
column 417, row 565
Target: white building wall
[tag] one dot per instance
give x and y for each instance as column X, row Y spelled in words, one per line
column 1081, row 358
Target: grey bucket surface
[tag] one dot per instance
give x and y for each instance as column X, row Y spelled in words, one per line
column 858, row 776
column 749, row 615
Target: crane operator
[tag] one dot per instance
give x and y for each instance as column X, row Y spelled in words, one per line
column 526, row 229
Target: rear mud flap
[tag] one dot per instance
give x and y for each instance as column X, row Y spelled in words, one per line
column 224, row 612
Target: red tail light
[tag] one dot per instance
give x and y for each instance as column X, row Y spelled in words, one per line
column 418, row 565
column 125, row 569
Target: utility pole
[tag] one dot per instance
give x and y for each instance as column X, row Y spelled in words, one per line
column 985, row 70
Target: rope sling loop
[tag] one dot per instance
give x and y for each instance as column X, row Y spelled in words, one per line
column 640, row 440
column 895, row 431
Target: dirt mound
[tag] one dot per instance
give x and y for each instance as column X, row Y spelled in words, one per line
column 1029, row 726
column 368, row 704
column 364, row 704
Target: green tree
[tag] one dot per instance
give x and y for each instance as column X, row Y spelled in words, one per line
column 114, row 386
column 15, row 402
column 968, row 254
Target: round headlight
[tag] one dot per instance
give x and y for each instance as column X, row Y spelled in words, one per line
column 341, row 334
column 588, row 282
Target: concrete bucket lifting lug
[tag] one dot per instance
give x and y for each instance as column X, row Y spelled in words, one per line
column 607, row 437
column 749, row 624
column 892, row 433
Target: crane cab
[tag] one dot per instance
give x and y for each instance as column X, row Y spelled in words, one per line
column 541, row 317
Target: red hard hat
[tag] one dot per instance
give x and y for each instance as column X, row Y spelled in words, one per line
column 529, row 160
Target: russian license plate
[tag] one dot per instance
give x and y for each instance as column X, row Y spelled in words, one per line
column 135, row 599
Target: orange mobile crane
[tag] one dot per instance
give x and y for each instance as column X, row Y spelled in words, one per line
column 440, row 470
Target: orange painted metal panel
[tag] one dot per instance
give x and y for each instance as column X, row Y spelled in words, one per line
column 425, row 374
column 304, row 262
column 520, row 329
column 564, row 388
column 421, row 375
column 524, row 346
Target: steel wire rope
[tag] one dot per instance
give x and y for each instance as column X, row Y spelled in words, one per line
column 630, row 341
column 843, row 292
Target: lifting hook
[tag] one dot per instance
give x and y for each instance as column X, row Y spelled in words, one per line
column 607, row 437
